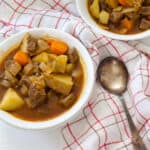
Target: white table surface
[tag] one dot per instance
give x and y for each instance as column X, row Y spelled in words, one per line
column 18, row 139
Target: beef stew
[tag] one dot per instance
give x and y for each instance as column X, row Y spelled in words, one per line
column 40, row 79
column 121, row 16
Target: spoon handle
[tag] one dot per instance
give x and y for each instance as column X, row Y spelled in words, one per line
column 137, row 140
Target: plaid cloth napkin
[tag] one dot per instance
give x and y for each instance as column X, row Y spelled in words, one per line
column 102, row 123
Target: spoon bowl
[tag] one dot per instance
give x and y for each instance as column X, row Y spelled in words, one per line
column 113, row 75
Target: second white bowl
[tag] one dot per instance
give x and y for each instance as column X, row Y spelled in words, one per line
column 82, row 6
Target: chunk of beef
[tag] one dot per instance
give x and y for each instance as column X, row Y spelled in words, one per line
column 147, row 2
column 53, row 96
column 76, row 75
column 12, row 66
column 42, row 46
column 72, row 55
column 145, row 24
column 31, row 45
column 116, row 16
column 47, row 68
column 28, row 69
column 24, row 90
column 91, row 1
column 8, row 76
column 8, row 80
column 31, row 69
column 68, row 100
column 145, row 11
column 135, row 3
column 5, row 83
column 1, row 75
column 133, row 16
column 38, row 81
column 25, row 81
column 37, row 46
column 36, row 69
column 103, row 5
column 36, row 96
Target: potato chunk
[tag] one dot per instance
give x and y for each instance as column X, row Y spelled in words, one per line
column 60, row 83
column 69, row 68
column 60, row 63
column 95, row 9
column 44, row 57
column 104, row 17
column 11, row 101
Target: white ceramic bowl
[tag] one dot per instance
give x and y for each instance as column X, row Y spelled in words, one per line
column 83, row 10
column 88, row 83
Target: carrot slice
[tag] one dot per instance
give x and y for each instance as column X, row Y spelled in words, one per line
column 127, row 23
column 22, row 58
column 49, row 41
column 123, row 2
column 58, row 47
column 148, row 17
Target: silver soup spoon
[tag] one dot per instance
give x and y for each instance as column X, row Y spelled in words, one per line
column 113, row 76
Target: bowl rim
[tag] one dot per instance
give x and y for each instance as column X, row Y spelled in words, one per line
column 85, row 94
column 90, row 21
